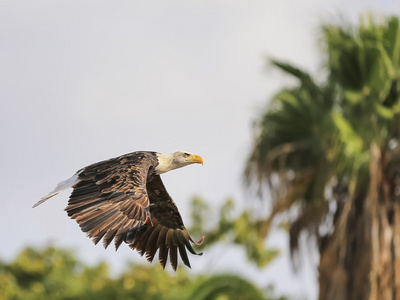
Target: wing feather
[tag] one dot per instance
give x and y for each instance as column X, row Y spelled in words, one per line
column 163, row 255
column 165, row 230
column 120, row 236
column 151, row 246
column 183, row 254
column 110, row 197
column 173, row 257
column 161, row 236
column 109, row 236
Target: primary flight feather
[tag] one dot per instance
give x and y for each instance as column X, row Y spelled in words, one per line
column 123, row 199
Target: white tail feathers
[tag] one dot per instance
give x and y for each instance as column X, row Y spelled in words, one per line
column 70, row 182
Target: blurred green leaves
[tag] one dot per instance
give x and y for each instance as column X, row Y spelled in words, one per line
column 230, row 286
column 243, row 230
column 55, row 273
column 312, row 142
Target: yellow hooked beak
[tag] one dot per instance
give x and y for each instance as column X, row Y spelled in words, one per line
column 195, row 159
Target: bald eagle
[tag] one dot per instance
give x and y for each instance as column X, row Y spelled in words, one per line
column 123, row 199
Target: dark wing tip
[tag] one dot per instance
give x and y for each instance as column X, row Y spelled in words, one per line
column 163, row 256
column 183, row 254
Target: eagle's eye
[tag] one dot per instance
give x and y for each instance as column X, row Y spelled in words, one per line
column 186, row 155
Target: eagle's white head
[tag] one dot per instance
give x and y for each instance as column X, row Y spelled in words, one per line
column 168, row 162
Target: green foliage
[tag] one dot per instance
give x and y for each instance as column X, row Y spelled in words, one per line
column 364, row 63
column 57, row 274
column 312, row 143
column 228, row 287
column 243, row 230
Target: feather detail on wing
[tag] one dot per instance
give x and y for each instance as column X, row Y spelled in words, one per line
column 165, row 231
column 110, row 198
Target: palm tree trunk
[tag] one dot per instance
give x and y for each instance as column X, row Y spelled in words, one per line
column 361, row 260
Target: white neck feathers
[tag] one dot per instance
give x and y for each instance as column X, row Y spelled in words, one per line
column 165, row 163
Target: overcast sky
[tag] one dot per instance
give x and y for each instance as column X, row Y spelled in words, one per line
column 82, row 81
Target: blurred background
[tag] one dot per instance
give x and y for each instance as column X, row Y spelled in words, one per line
column 292, row 104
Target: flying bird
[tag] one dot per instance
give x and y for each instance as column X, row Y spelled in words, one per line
column 123, row 199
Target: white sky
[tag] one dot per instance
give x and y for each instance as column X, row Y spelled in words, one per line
column 82, row 81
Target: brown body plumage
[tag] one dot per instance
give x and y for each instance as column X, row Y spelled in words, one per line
column 123, row 199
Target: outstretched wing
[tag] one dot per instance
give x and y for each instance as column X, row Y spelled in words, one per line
column 110, row 198
column 164, row 231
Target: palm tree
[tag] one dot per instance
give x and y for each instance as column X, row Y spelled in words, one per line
column 328, row 151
